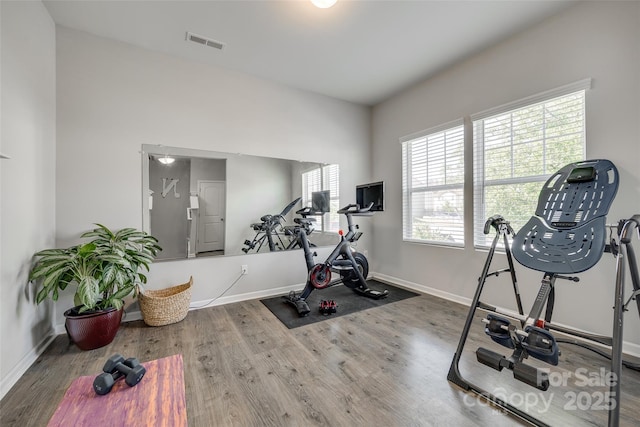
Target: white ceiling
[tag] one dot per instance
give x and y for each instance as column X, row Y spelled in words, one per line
column 360, row 51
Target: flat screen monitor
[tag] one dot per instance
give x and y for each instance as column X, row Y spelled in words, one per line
column 320, row 201
column 367, row 193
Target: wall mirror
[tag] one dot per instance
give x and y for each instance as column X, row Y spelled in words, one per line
column 204, row 203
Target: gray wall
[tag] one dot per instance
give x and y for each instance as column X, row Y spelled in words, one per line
column 255, row 187
column 27, row 197
column 168, row 218
column 592, row 39
column 113, row 97
column 207, row 170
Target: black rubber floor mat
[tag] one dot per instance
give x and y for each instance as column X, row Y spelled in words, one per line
column 347, row 302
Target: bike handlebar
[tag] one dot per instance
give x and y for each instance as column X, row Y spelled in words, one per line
column 308, row 211
column 355, row 208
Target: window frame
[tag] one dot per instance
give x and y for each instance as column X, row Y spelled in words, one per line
column 480, row 215
column 408, row 189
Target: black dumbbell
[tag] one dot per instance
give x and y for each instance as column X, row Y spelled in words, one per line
column 116, row 368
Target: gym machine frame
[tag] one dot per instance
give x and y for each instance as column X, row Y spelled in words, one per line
column 268, row 230
column 535, row 330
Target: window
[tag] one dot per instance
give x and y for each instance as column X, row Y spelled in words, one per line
column 516, row 149
column 324, row 178
column 432, row 186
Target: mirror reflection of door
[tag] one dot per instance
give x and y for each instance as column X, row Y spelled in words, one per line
column 268, row 183
column 210, row 234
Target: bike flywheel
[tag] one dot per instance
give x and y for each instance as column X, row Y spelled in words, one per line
column 320, row 276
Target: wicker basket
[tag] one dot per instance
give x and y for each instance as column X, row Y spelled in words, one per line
column 165, row 306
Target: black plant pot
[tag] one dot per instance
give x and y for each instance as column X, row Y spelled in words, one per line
column 92, row 329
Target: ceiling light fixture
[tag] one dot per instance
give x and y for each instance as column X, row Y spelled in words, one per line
column 324, row 4
column 166, row 160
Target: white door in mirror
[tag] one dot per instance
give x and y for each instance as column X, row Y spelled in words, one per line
column 210, row 226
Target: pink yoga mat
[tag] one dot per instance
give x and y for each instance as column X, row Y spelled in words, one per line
column 158, row 400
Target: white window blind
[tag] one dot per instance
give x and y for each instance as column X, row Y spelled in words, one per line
column 517, row 149
column 432, row 186
column 320, row 179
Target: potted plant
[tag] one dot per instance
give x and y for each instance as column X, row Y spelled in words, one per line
column 105, row 270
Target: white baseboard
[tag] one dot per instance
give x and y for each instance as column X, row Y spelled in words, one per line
column 25, row 363
column 631, row 349
column 197, row 305
column 421, row 288
column 628, row 348
column 131, row 316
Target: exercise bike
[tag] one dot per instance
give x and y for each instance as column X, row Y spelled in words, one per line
column 352, row 266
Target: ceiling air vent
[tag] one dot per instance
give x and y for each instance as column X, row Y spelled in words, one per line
column 205, row 41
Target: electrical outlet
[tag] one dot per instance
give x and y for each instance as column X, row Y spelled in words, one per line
column 244, row 269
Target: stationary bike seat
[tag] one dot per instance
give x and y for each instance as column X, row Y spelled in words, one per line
column 304, row 221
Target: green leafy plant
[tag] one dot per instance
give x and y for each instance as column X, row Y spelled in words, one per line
column 105, row 270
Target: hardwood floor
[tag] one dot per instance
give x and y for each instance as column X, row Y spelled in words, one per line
column 381, row 367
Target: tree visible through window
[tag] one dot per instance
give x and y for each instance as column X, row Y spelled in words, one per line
column 432, row 186
column 515, row 153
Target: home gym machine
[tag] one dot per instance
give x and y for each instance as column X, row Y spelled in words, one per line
column 566, row 236
column 269, row 230
column 352, row 266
